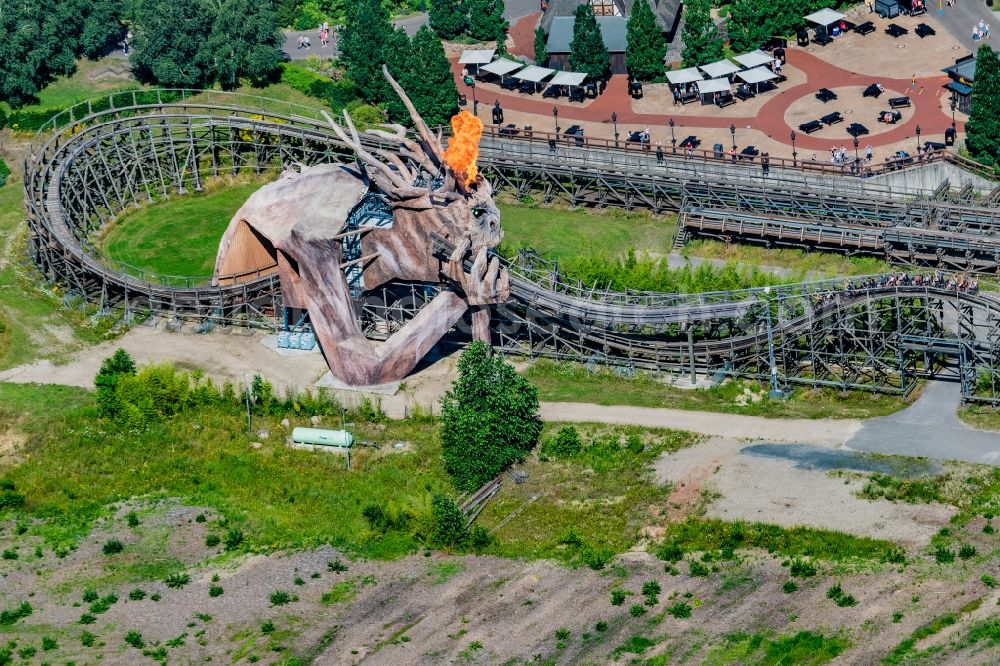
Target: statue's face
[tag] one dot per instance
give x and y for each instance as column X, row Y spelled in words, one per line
column 483, row 216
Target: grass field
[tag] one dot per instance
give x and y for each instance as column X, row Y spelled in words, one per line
column 569, row 382
column 816, row 264
column 92, row 77
column 179, row 236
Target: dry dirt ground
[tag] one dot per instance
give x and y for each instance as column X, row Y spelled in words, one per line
column 432, row 609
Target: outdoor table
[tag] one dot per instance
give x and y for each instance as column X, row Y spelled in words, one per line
column 825, row 95
column 811, row 126
column 553, row 92
column 575, row 132
column 749, row 153
column 635, row 90
column 510, row 83
column 527, row 87
column 832, row 118
column 899, row 102
column 924, row 30
column 822, row 38
column 744, row 93
column 724, row 99
column 872, row 91
column 895, row 31
column 692, row 141
column 856, row 129
column 933, row 145
column 688, row 97
column 889, row 117
column 509, row 130
column 635, row 137
column 576, row 94
column 864, row 28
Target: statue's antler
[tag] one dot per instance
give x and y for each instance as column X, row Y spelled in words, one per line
column 431, row 143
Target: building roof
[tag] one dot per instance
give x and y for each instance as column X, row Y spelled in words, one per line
column 666, row 12
column 962, row 70
column 613, row 31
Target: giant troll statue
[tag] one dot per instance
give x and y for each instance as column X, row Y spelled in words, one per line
column 301, row 224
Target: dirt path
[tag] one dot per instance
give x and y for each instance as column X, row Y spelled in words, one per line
column 829, row 432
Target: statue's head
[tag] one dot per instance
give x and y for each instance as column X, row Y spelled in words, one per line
column 421, row 176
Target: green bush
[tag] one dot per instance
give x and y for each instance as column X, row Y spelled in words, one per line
column 212, row 540
column 680, row 610
column 138, row 594
column 942, row 555
column 4, row 169
column 967, row 551
column 177, row 580
column 480, row 538
column 637, row 610
column 49, row 643
column 336, row 566
column 565, row 444
column 617, row 597
column 112, row 547
column 280, row 598
column 789, row 586
column 215, row 591
column 449, row 523
column 802, row 568
column 9, row 617
column 234, row 537
column 338, row 94
column 134, row 638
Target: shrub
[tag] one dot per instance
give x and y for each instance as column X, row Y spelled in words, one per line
column 897, row 617
column 601, row 626
column 967, row 551
column 562, row 633
column 177, row 580
column 212, row 540
column 87, row 639
column 87, row 618
column 596, row 558
column 651, row 587
column 4, row 169
column 944, row 556
column 103, row 604
column 670, row 552
column 789, row 587
column 215, row 591
column 565, row 444
column 49, row 643
column 200, row 518
column 27, row 652
column 680, row 610
column 835, row 592
column 134, row 638
column 802, row 568
column 132, row 519
column 280, row 598
column 449, row 522
column 989, row 581
column 617, row 597
column 138, row 594
column 489, row 418
column 480, row 538
column 113, row 547
column 266, row 627
column 637, row 610
column 234, row 537
column 336, row 566
column 10, row 554
column 298, row 580
column 847, row 600
column 9, row 617
column 697, row 569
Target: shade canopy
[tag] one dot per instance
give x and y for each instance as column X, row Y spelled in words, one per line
column 753, row 59
column 757, row 75
column 681, row 76
column 476, row 56
column 720, row 68
column 534, row 74
column 713, row 86
column 502, row 67
column 568, row 78
column 824, row 17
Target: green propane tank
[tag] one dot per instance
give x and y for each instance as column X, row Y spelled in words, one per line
column 329, row 440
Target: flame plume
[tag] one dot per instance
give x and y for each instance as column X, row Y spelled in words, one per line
column 463, row 148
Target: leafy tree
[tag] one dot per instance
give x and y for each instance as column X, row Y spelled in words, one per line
column 287, row 11
column 751, row 22
column 587, row 51
column 489, row 418
column 168, row 39
column 982, row 131
column 244, row 43
column 541, row 52
column 447, row 18
column 565, row 444
column 400, row 61
column 449, row 523
column 484, row 20
column 431, row 83
column 106, row 381
column 102, row 26
column 702, row 42
column 646, row 45
column 364, row 46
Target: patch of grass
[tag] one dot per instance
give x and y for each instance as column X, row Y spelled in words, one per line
column 177, row 580
column 811, row 265
column 148, row 239
column 572, row 382
column 584, row 510
column 341, row 592
column 912, row 491
column 805, row 648
column 441, row 572
column 561, row 234
column 680, row 610
column 900, row 652
column 698, row 534
column 636, row 644
column 280, row 598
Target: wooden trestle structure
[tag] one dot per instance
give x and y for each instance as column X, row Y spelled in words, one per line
column 93, row 165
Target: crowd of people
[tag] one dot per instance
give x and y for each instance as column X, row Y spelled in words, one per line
column 936, row 280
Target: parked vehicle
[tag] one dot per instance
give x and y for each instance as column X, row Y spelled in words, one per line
column 887, row 8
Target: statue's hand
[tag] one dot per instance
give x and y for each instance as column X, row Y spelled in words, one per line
column 486, row 283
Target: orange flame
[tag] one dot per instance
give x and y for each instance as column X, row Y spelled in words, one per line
column 463, row 148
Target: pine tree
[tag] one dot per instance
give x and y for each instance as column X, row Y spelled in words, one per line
column 646, row 45
column 982, row 131
column 750, row 23
column 484, row 19
column 168, row 37
column 447, row 18
column 364, row 48
column 587, row 51
column 399, row 61
column 541, row 52
column 244, row 43
column 702, row 42
column 431, row 82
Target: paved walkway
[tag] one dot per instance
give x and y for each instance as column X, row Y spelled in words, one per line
column 929, row 427
column 960, row 19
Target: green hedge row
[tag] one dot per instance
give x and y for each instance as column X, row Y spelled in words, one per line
column 34, row 119
column 4, row 173
column 338, row 94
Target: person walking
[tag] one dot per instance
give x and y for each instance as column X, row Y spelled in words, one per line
column 732, row 154
column 986, row 31
column 765, row 164
column 868, row 152
column 913, row 82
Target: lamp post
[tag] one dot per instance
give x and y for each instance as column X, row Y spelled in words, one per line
column 555, row 115
column 614, row 121
column 732, row 130
column 794, row 154
column 918, row 138
column 855, row 149
column 475, row 102
column 673, row 140
column 954, row 103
